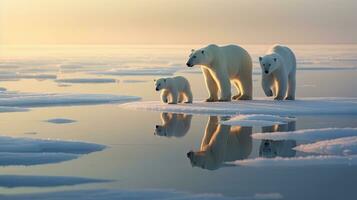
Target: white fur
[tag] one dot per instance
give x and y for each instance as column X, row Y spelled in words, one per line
column 173, row 125
column 280, row 79
column 220, row 67
column 174, row 90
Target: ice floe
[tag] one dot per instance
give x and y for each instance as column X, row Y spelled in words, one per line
column 301, row 106
column 11, row 181
column 308, row 134
column 257, row 120
column 60, row 121
column 17, row 99
column 86, row 80
column 339, row 146
column 298, row 161
column 28, row 151
column 146, row 194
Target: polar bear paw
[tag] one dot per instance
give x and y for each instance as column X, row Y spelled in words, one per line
column 290, row 98
column 279, row 98
column 211, row 99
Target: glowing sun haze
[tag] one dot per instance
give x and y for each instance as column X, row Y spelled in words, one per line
column 177, row 21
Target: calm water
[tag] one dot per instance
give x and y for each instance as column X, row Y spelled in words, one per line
column 139, row 158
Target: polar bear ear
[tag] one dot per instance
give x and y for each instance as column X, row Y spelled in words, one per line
column 154, row 80
column 260, row 58
column 274, row 59
column 192, row 50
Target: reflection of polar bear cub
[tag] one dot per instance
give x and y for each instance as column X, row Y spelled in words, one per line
column 279, row 73
column 174, row 89
column 173, row 124
column 220, row 66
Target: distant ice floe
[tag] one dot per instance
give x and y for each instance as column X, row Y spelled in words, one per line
column 301, row 106
column 13, row 76
column 17, row 99
column 28, row 151
column 147, row 194
column 86, row 80
column 133, row 81
column 298, row 161
column 144, row 71
column 308, row 134
column 257, row 120
column 60, row 121
column 12, row 181
column 340, row 146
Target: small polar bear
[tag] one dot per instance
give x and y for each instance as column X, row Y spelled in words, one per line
column 279, row 73
column 173, row 125
column 174, row 90
column 222, row 65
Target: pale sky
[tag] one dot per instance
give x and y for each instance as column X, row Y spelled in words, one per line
column 177, row 21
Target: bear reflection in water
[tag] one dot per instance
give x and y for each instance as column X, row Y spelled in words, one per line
column 221, row 143
column 278, row 148
column 173, row 125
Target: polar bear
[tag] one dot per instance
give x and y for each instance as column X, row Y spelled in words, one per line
column 279, row 73
column 221, row 66
column 278, row 148
column 173, row 125
column 174, row 89
column 221, row 143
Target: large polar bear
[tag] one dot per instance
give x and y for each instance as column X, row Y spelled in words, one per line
column 220, row 66
column 220, row 144
column 173, row 125
column 279, row 73
column 174, row 89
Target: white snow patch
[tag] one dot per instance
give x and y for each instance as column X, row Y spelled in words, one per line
column 15, row 99
column 308, row 134
column 298, row 161
column 340, row 146
column 60, row 121
column 86, row 80
column 11, row 181
column 257, row 120
column 28, row 151
column 302, row 106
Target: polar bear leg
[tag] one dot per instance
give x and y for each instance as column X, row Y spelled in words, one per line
column 291, row 87
column 174, row 96
column 245, row 89
column 188, row 95
column 211, row 85
column 165, row 96
column 181, row 97
column 211, row 128
column 268, row 84
column 282, row 87
column 239, row 93
column 224, row 85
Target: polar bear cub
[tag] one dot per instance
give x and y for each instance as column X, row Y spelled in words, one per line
column 174, row 90
column 279, row 73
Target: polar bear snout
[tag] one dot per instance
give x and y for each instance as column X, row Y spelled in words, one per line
column 157, row 89
column 266, row 71
column 189, row 64
column 190, row 154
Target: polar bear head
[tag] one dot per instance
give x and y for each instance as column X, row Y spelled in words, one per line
column 199, row 57
column 269, row 64
column 161, row 83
